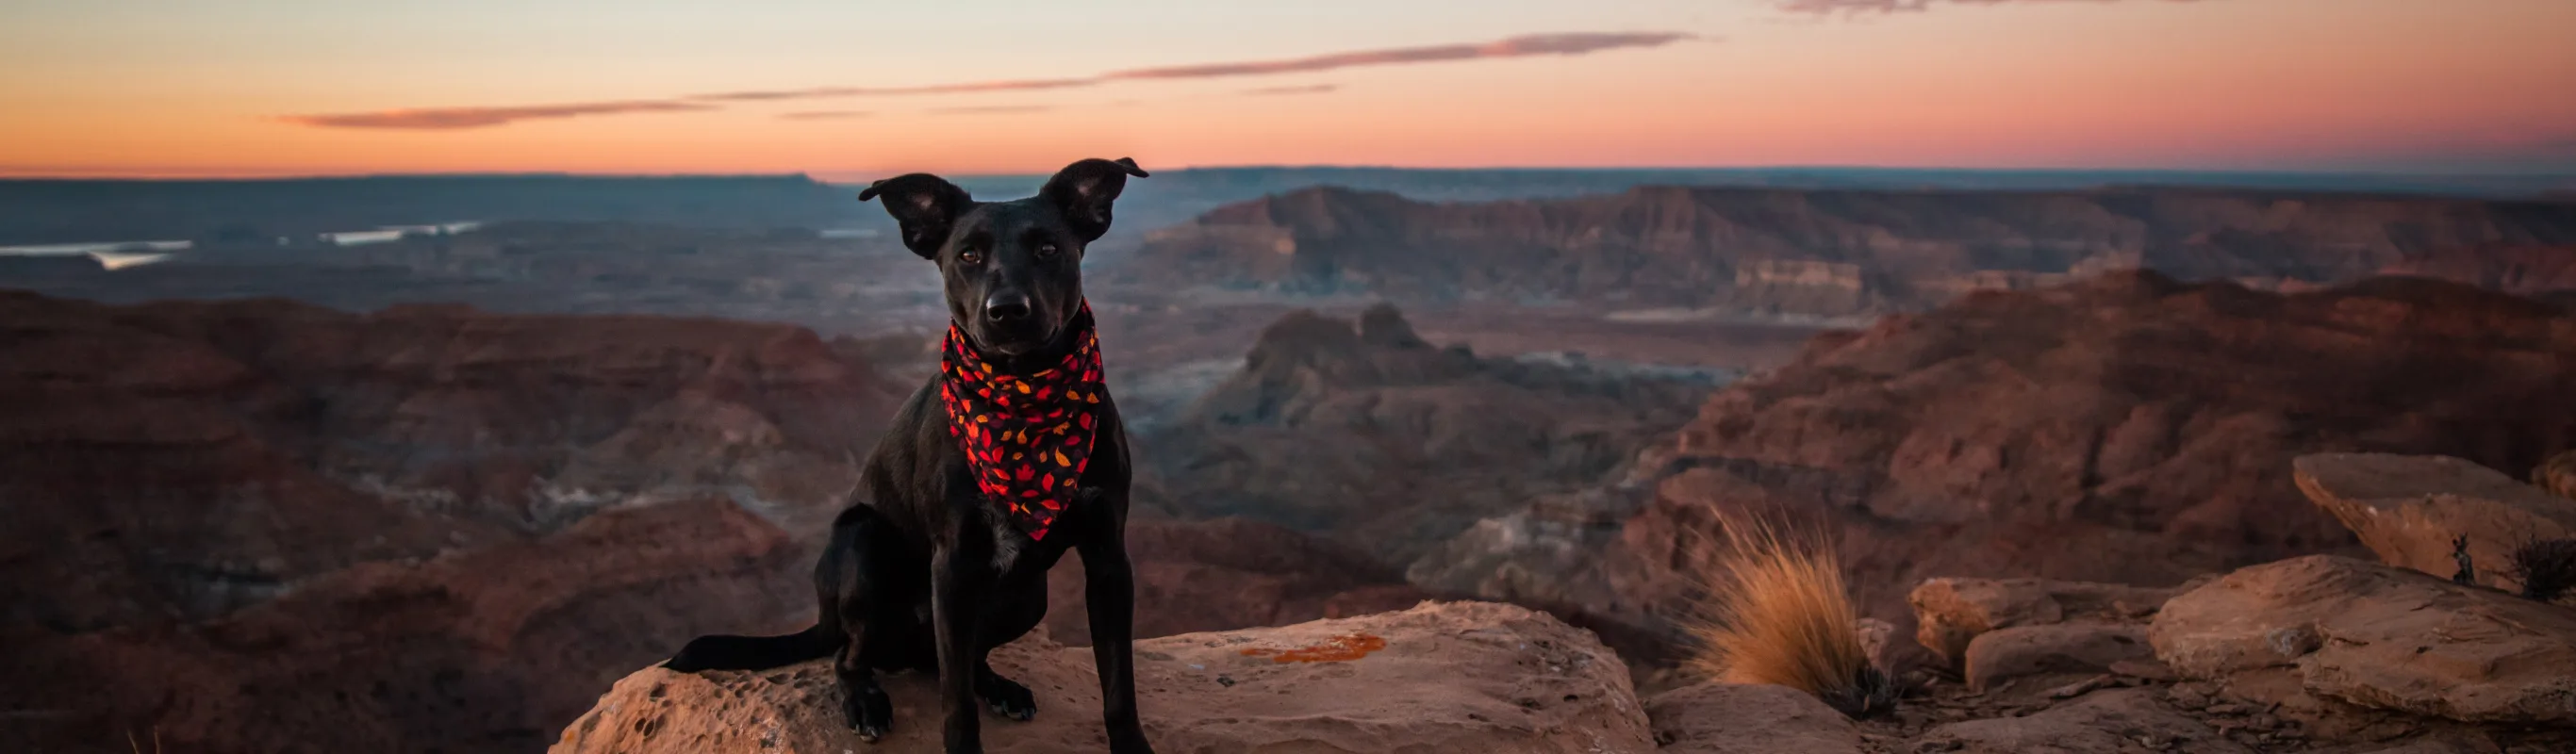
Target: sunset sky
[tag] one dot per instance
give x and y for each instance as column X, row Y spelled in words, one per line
column 851, row 88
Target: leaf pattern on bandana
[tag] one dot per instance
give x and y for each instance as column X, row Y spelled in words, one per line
column 1027, row 438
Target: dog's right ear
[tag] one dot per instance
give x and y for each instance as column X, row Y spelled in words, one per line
column 925, row 205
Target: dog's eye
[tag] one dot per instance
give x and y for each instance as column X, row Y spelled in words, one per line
column 970, row 256
column 1046, row 250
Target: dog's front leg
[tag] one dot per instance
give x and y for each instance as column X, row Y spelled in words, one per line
column 1109, row 589
column 953, row 617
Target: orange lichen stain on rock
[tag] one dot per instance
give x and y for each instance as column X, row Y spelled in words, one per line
column 1342, row 648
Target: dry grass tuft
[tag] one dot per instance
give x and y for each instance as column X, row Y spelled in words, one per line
column 1776, row 611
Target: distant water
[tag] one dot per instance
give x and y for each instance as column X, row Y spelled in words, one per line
column 118, row 255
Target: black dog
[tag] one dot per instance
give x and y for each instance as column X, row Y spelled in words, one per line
column 934, row 567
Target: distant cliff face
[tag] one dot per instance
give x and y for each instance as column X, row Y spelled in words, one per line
column 2528, row 270
column 1824, row 252
column 1365, row 432
column 2128, row 429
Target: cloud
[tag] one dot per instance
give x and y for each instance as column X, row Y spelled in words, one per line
column 454, row 118
column 886, row 91
column 1901, row 6
column 1533, row 45
column 989, row 109
column 1272, row 91
column 824, row 115
column 1579, row 43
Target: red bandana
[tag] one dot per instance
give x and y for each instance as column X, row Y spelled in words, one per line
column 1027, row 437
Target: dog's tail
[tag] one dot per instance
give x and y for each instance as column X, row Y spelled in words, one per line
column 754, row 652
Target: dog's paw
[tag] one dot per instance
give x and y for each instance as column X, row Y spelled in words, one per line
column 1007, row 698
column 868, row 712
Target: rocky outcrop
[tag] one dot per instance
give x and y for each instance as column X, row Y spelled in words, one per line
column 2111, row 721
column 2358, row 634
column 1951, row 613
column 2128, row 429
column 1830, row 252
column 1365, row 432
column 1727, row 718
column 2412, row 510
column 1469, row 678
column 2557, row 475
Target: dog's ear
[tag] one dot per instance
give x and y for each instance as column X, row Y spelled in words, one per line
column 925, row 205
column 1084, row 190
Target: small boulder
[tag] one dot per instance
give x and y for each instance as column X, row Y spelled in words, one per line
column 2080, row 649
column 2557, row 475
column 1464, row 677
column 1951, row 612
column 1728, row 718
column 2377, row 637
column 2104, row 721
column 2409, row 509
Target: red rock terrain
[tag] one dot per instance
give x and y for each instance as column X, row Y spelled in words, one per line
column 264, row 526
column 2128, row 429
column 1817, row 252
column 1367, row 433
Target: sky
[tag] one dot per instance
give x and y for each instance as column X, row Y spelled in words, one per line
column 853, row 88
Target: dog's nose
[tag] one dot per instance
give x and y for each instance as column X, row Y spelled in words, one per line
column 1006, row 306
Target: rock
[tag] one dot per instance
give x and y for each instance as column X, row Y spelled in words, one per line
column 1364, row 432
column 2557, row 475
column 2122, row 720
column 2126, row 428
column 2377, row 637
column 1726, row 718
column 1226, row 574
column 1465, row 677
column 1835, row 252
column 2437, row 744
column 2408, row 509
column 2052, row 650
column 1951, row 612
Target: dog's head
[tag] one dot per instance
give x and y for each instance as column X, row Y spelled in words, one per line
column 1012, row 270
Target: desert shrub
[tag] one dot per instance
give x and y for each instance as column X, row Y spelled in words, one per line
column 2546, row 568
column 1775, row 610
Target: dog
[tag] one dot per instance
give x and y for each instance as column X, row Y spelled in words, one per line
column 1007, row 458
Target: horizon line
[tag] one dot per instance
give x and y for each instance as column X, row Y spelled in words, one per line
column 248, row 176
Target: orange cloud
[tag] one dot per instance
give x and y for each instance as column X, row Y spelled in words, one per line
column 452, row 118
column 1579, row 43
column 1576, row 43
column 1269, row 91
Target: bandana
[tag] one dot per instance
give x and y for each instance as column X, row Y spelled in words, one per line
column 1027, row 437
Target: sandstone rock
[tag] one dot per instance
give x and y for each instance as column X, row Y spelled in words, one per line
column 1470, row 678
column 2557, row 475
column 2106, row 721
column 2408, row 509
column 1725, row 718
column 2052, row 650
column 2378, row 637
column 1951, row 612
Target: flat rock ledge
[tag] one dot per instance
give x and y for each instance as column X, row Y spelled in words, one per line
column 1464, row 677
